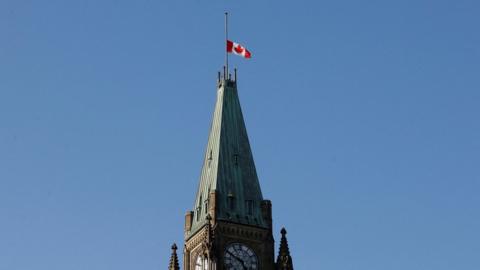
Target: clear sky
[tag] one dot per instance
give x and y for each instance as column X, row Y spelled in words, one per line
column 363, row 118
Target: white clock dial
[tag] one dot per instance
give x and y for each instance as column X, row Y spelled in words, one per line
column 240, row 257
column 201, row 263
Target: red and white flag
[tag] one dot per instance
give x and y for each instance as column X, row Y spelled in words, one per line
column 237, row 49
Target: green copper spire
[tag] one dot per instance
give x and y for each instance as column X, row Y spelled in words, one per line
column 228, row 169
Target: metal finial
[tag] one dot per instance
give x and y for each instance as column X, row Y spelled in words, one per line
column 226, row 40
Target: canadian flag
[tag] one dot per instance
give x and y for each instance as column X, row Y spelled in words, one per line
column 237, row 49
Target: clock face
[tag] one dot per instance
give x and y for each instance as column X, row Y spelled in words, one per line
column 240, row 257
column 201, row 263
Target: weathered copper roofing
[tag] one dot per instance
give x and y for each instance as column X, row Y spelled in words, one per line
column 228, row 166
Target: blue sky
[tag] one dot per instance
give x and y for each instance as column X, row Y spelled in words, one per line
column 363, row 117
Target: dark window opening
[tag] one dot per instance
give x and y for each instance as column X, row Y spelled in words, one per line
column 199, row 209
column 249, row 207
column 231, row 201
column 235, row 158
column 210, row 158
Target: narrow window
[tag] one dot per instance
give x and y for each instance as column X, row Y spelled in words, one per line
column 210, row 158
column 199, row 208
column 231, row 201
column 249, row 207
column 235, row 158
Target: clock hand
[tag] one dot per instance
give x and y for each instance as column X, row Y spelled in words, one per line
column 238, row 259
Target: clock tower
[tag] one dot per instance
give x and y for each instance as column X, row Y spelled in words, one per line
column 230, row 225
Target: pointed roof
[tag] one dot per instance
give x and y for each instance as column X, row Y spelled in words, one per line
column 228, row 167
column 173, row 265
column 284, row 260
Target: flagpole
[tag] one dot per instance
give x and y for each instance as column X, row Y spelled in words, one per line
column 225, row 76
